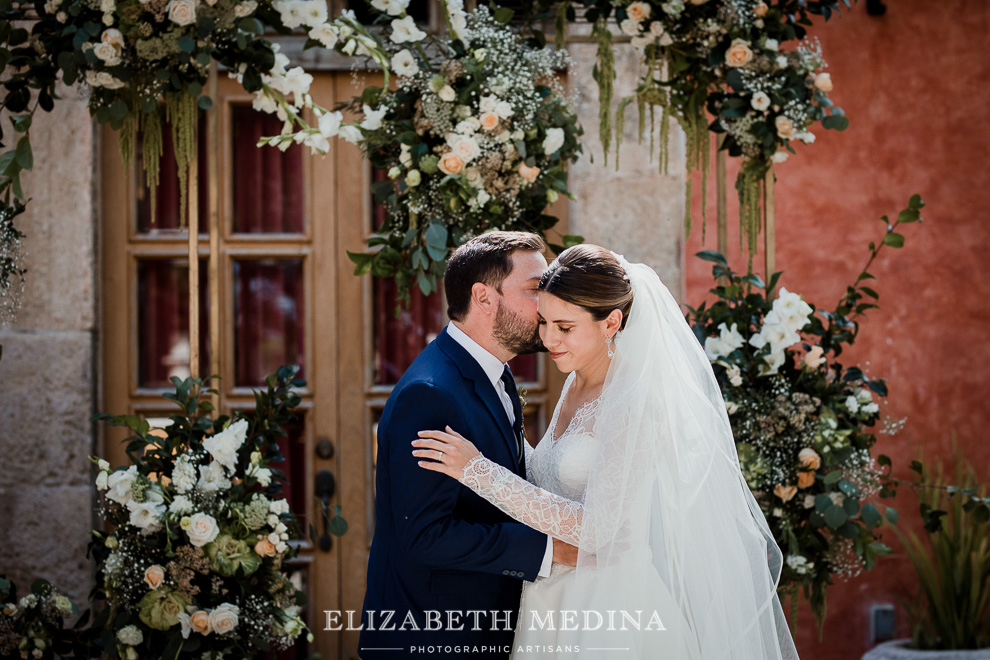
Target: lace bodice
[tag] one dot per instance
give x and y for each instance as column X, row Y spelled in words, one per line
column 551, row 500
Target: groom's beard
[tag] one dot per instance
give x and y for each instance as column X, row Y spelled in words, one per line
column 515, row 334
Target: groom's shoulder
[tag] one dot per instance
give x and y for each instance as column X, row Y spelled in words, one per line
column 432, row 368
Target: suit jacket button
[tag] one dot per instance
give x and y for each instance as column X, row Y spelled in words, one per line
column 505, row 572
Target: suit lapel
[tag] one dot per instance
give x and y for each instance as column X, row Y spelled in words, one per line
column 485, row 390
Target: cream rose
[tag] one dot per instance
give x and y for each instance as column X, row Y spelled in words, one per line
column 465, row 148
column 154, row 576
column 823, row 81
column 223, row 619
column 447, row 94
column 528, row 173
column 489, row 121
column 805, row 479
column 760, row 9
column 638, row 11
column 130, row 635
column 809, row 459
column 785, row 493
column 108, row 53
column 182, row 12
column 553, row 141
column 200, row 622
column 202, row 529
column 739, row 53
column 785, row 127
column 115, row 38
column 450, row 163
column 760, row 101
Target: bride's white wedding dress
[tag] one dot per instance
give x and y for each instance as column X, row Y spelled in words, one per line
column 552, row 620
column 675, row 559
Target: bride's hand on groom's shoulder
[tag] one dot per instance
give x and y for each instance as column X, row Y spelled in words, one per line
column 447, row 452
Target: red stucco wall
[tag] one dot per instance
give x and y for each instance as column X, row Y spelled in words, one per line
column 915, row 84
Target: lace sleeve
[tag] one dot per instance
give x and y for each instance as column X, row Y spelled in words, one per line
column 528, row 453
column 540, row 509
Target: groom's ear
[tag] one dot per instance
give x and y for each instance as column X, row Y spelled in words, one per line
column 483, row 297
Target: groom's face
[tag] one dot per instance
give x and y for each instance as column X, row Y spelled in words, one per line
column 515, row 320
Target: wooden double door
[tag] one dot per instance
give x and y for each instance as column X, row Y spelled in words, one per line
column 284, row 293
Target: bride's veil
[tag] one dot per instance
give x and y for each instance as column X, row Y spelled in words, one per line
column 666, row 490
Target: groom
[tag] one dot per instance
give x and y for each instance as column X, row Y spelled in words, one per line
column 446, row 567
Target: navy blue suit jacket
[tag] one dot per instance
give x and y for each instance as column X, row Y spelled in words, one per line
column 438, row 547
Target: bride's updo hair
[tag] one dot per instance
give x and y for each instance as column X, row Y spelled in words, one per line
column 590, row 277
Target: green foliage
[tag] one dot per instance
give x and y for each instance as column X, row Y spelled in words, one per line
column 951, row 608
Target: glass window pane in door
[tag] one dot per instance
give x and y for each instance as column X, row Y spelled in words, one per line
column 163, row 321
column 268, row 183
column 269, row 315
column 398, row 340
column 293, row 448
column 169, row 219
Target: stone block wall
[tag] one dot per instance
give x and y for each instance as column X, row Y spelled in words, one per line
column 48, row 370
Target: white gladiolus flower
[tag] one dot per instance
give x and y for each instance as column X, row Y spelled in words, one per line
column 146, row 516
column 404, row 64
column 326, row 33
column 223, row 446
column 734, row 375
column 317, row 142
column 727, row 341
column 264, row 475
column 291, row 12
column 119, row 483
column 390, row 7
column 279, row 507
column 799, row 564
column 760, row 101
column 103, row 465
column 373, row 118
column 405, row 30
column 458, row 24
column 553, row 141
column 101, row 480
column 350, row 133
column 264, row 103
column 864, row 396
column 329, row 124
column 791, row 307
column 314, row 13
column 772, row 363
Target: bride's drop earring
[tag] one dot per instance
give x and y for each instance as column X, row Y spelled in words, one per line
column 608, row 344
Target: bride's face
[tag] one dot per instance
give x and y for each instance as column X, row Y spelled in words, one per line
column 576, row 341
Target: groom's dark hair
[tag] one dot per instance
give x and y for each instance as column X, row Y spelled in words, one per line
column 486, row 259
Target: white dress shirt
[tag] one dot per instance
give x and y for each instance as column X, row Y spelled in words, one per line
column 493, row 368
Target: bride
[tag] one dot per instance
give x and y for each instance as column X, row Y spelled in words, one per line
column 638, row 469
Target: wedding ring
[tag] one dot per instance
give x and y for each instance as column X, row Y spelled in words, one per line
column 439, row 455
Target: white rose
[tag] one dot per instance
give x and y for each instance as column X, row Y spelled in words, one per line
column 247, row 8
column 503, row 109
column 146, row 516
column 771, row 44
column 405, row 30
column 760, row 101
column 119, row 483
column 404, row 64
column 468, row 126
column 223, row 446
column 487, row 103
column 203, row 529
column 629, row 27
column 108, row 53
column 447, row 94
column 464, row 147
column 107, row 6
column 130, row 635
column 223, row 618
column 553, row 141
column 181, row 12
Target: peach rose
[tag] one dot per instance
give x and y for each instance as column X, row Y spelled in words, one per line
column 809, row 459
column 638, row 11
column 154, row 576
column 739, row 53
column 760, row 9
column 823, row 81
column 450, row 163
column 264, row 548
column 785, row 127
column 805, row 479
column 528, row 173
column 489, row 121
column 785, row 493
column 200, row 622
